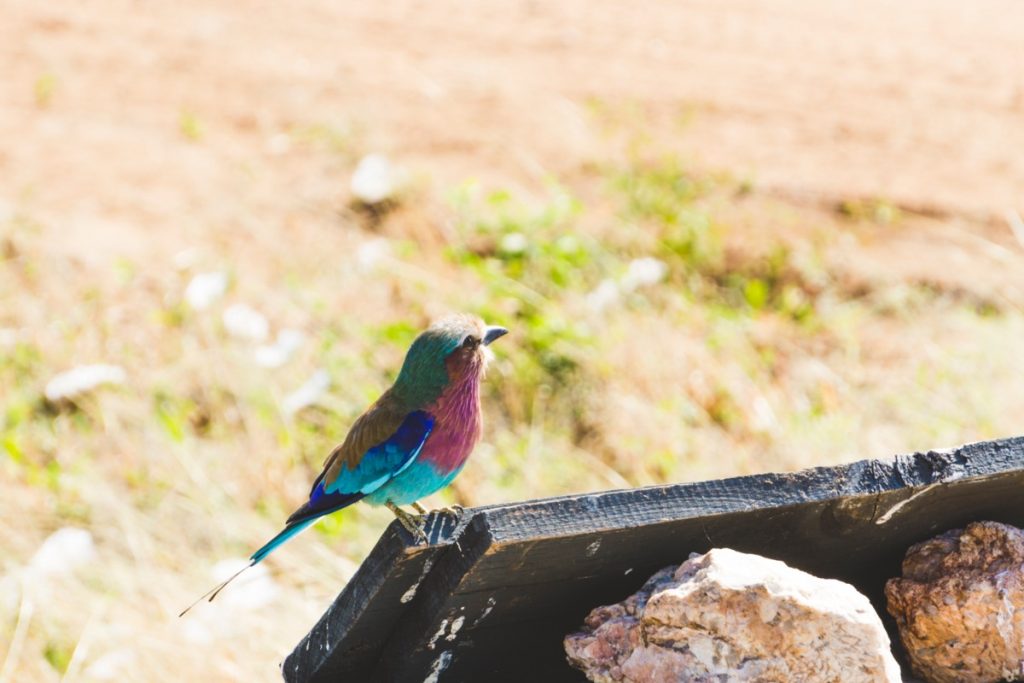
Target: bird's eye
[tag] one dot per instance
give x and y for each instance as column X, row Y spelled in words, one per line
column 471, row 342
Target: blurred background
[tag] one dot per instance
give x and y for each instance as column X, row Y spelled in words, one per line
column 728, row 237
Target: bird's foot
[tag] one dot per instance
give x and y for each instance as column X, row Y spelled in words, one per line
column 412, row 523
column 452, row 511
column 419, row 508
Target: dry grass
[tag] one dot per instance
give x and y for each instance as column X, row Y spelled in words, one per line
column 701, row 374
column 776, row 333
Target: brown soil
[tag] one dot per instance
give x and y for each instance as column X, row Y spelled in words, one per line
column 920, row 104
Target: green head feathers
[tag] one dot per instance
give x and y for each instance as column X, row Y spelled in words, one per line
column 425, row 372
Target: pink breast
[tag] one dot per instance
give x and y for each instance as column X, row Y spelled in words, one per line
column 457, row 425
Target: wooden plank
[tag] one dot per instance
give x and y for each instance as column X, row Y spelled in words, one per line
column 496, row 595
column 365, row 613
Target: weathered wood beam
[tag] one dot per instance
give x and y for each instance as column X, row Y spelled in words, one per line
column 492, row 597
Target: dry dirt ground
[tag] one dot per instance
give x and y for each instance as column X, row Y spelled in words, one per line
column 920, row 104
column 166, row 135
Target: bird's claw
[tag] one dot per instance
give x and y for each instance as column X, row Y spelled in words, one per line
column 414, row 526
column 452, row 511
column 412, row 523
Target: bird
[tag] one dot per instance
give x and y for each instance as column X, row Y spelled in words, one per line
column 413, row 441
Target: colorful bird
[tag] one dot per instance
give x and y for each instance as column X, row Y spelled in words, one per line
column 412, row 442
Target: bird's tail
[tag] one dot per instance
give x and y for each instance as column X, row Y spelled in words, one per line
column 290, row 530
column 271, row 545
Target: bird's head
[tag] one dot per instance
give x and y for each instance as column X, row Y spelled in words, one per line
column 452, row 349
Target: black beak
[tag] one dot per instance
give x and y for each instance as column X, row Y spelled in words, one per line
column 492, row 333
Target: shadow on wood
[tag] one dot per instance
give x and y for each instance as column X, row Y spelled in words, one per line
column 491, row 597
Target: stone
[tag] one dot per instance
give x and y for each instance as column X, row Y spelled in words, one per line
column 959, row 605
column 63, row 551
column 728, row 616
column 82, row 379
column 374, row 180
column 245, row 322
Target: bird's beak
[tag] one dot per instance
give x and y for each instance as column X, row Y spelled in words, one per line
column 492, row 333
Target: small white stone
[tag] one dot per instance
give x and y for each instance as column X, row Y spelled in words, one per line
column 281, row 351
column 206, row 288
column 643, row 272
column 62, row 552
column 374, row 179
column 308, row 394
column 81, row 380
column 254, row 588
column 245, row 322
column 604, row 295
column 514, row 243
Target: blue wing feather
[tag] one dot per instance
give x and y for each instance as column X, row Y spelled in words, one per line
column 380, row 464
column 385, row 460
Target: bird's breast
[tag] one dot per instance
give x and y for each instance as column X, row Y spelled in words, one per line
column 449, row 445
column 457, row 427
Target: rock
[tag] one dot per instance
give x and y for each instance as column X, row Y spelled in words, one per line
column 643, row 272
column 729, row 616
column 280, row 352
column 63, row 551
column 605, row 295
column 205, row 288
column 245, row 322
column 82, row 379
column 309, row 394
column 959, row 606
column 374, row 180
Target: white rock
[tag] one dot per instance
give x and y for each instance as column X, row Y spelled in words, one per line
column 514, row 243
column 62, row 552
column 245, row 322
column 281, row 351
column 370, row 254
column 643, row 272
column 604, row 295
column 82, row 379
column 253, row 589
column 308, row 394
column 374, row 179
column 729, row 616
column 206, row 288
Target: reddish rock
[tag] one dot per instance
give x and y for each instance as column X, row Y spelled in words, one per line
column 960, row 605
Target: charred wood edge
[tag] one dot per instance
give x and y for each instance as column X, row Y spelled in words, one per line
column 357, row 635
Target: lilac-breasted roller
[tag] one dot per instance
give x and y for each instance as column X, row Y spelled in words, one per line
column 413, row 441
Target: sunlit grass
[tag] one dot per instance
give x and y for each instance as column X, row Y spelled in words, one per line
column 651, row 342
